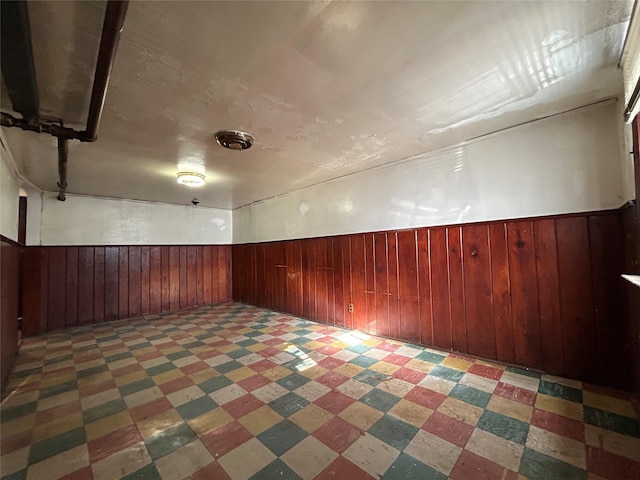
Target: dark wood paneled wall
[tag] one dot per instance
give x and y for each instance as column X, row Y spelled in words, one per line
column 544, row 293
column 9, row 287
column 70, row 286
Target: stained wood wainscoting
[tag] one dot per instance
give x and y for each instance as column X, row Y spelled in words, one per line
column 9, row 287
column 71, row 286
column 544, row 293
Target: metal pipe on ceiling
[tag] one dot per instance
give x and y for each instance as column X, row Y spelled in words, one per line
column 63, row 156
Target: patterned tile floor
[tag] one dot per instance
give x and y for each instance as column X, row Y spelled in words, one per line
column 233, row 391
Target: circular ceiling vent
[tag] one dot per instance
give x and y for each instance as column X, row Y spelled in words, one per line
column 234, row 140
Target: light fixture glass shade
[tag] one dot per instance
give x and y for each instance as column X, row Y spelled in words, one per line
column 190, row 179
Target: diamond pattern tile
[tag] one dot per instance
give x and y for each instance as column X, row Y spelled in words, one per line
column 237, row 392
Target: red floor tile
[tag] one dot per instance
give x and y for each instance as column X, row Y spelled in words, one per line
column 330, row 363
column 425, row 397
column 332, row 379
column 213, row 471
column 450, row 429
column 610, row 466
column 150, row 409
column 516, row 394
column 471, row 466
column 486, row 371
column 241, row 406
column 409, row 375
column 175, row 385
column 338, row 434
column 226, row 438
column 334, row 402
column 343, row 469
column 113, row 442
column 252, row 383
column 564, row 426
column 397, row 359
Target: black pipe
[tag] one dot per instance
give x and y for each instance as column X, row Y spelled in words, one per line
column 111, row 29
column 63, row 155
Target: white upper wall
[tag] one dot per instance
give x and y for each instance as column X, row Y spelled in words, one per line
column 84, row 220
column 563, row 164
column 9, row 187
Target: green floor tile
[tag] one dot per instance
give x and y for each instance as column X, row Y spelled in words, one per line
column 139, row 345
column 503, row 426
column 612, row 421
column 148, row 472
column 293, row 381
column 58, row 389
column 282, row 436
column 380, row 400
column 560, row 391
column 119, row 356
column 288, row 404
column 104, row 410
column 26, row 373
column 88, row 372
column 363, row 361
column 158, row 369
column 536, row 466
column 276, row 470
column 393, row 431
column 55, row 445
column 196, row 407
column 134, row 387
column 180, row 354
column 193, row 344
column 19, row 475
column 430, row 357
column 406, row 467
column 239, row 353
column 169, row 441
column 370, row 377
column 447, row 373
column 248, row 342
column 470, row 395
column 228, row 367
column 359, row 348
column 215, row 383
column 12, row 413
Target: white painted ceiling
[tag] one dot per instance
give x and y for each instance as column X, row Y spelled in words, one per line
column 326, row 88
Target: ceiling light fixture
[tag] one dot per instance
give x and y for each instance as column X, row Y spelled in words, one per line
column 190, row 179
column 234, row 140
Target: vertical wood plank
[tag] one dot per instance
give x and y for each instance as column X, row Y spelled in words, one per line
column 308, row 279
column 57, row 287
column 501, row 291
column 456, row 289
column 192, row 276
column 408, row 286
column 183, row 293
column 135, row 278
column 206, row 276
column 71, row 288
column 174, row 278
column 322, row 294
column 199, row 275
column 123, row 282
column 215, row 277
column 338, row 282
column 111, row 283
column 370, row 286
column 358, row 282
column 145, row 287
column 85, row 285
column 165, row 265
column 155, row 279
column 481, row 338
column 346, row 281
column 99, row 288
column 225, row 262
column 549, row 295
column 294, row 277
column 424, row 287
column 442, row 335
column 381, row 282
column 393, row 286
column 524, row 294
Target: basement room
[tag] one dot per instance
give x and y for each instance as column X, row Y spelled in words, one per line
column 315, row 240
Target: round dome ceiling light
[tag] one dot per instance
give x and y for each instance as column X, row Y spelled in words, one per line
column 190, row 179
column 234, row 140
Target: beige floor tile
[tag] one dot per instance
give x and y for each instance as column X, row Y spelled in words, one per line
column 210, row 421
column 354, row 389
column 460, row 411
column 396, row 387
column 167, row 376
column 411, row 412
column 246, row 460
column 510, row 408
column 57, row 400
column 227, row 394
column 121, row 363
column 522, row 381
column 121, row 463
column 159, row 423
column 494, row 448
column 107, row 425
column 309, row 457
column 559, row 406
column 18, row 425
column 433, row 451
column 218, row 360
column 61, row 464
column 385, row 367
column 269, row 392
column 130, row 377
column 371, row 454
column 276, row 373
column 240, row 374
column 20, row 399
column 610, row 404
column 478, row 382
column 57, row 379
column 185, row 395
column 203, row 375
column 420, row 365
column 143, row 396
column 259, row 420
column 184, row 461
column 312, row 390
column 100, row 398
column 557, row 446
column 314, row 371
column 613, row 442
column 154, row 362
column 311, row 417
column 348, row 369
column 361, row 415
column 14, row 461
column 436, row 384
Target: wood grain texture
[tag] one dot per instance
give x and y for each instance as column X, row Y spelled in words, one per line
column 9, row 287
column 543, row 293
column 70, row 286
